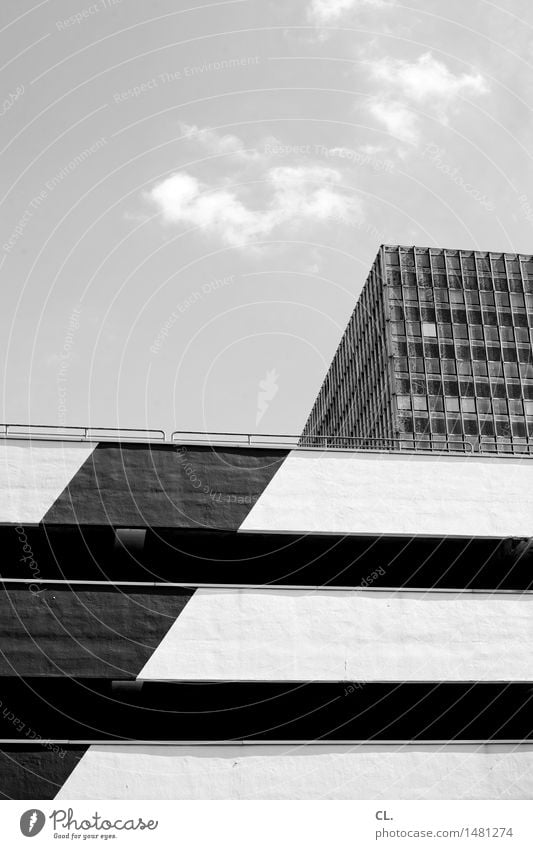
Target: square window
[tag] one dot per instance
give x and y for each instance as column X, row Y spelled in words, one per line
column 410, row 293
column 456, row 296
column 412, row 313
column 441, row 296
column 451, row 387
column 518, row 427
column 468, row 405
column 416, row 364
column 507, row 334
column 400, row 364
column 476, row 331
column 517, row 300
column 503, row 427
column 448, row 366
column 522, row 334
column 438, row 424
column 464, row 368
column 404, row 402
column 498, row 389
column 397, row 328
column 433, row 365
column 486, row 299
column 460, row 331
column 420, row 402
column 467, row 388
column 474, row 317
column 472, row 298
column 528, row 405
column 492, row 334
column 484, row 405
column 413, row 328
column 429, row 328
column 499, row 406
column 482, row 389
column 416, row 349
column 445, row 331
column 510, row 369
column 526, row 370
column 509, row 354
column 502, row 299
column 436, row 403
column 480, row 368
column 452, row 405
column 396, row 313
column 470, row 426
column 515, row 407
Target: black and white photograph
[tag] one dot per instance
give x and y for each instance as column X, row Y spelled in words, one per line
column 266, row 426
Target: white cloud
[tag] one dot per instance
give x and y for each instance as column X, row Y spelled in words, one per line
column 331, row 11
column 296, row 195
column 425, row 84
column 427, row 79
column 397, row 118
column 215, row 143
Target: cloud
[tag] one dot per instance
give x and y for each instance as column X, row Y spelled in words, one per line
column 295, row 195
column 397, row 118
column 426, row 83
column 427, row 79
column 330, row 11
column 224, row 145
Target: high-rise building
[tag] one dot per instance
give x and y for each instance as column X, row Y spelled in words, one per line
column 437, row 354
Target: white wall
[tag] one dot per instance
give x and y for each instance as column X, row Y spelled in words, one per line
column 34, row 474
column 356, row 493
column 360, row 635
column 283, row 771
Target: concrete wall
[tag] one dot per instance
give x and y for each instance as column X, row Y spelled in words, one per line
column 356, row 493
column 360, row 635
column 303, row 772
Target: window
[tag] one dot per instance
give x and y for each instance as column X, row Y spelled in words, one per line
column 429, row 328
column 502, row 299
column 487, row 299
column 460, row 331
column 413, row 328
column 445, row 331
column 404, row 402
column 448, row 366
column 499, row 406
column 472, row 298
column 480, row 368
column 510, row 369
column 433, row 365
column 416, row 364
column 456, row 296
column 517, row 300
column 436, row 403
column 464, row 368
column 416, row 349
column 452, row 405
column 484, row 405
column 528, row 405
column 397, row 328
column 492, row 334
column 468, row 405
column 441, row 296
column 420, row 402
column 515, row 407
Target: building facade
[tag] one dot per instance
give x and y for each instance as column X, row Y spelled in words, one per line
column 304, row 624
column 437, row 354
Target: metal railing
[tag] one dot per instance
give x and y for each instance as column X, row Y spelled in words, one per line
column 419, row 445
column 81, row 433
column 339, row 443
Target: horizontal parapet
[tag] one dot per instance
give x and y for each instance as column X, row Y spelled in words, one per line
column 343, row 492
column 291, row 772
column 102, row 553
column 89, row 710
column 50, row 629
column 358, row 635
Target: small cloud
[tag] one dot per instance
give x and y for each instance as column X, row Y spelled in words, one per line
column 427, row 79
column 296, row 195
column 331, row 11
column 397, row 118
column 426, row 83
column 224, row 145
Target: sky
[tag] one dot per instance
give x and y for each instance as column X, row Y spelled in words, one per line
column 192, row 193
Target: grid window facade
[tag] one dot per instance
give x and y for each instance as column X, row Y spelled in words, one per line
column 438, row 352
